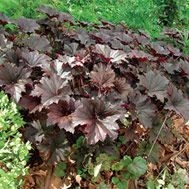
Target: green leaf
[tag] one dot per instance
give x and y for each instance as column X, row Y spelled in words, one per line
column 106, row 161
column 170, row 186
column 151, row 184
column 102, row 185
column 118, row 166
column 126, row 161
column 115, row 180
column 119, row 183
column 79, row 142
column 138, row 167
column 60, row 169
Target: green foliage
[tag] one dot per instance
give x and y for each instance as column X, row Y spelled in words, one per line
column 19, row 8
column 119, row 183
column 168, row 11
column 173, row 13
column 128, row 169
column 13, row 152
column 124, row 169
column 137, row 14
column 60, row 169
column 168, row 181
column 138, row 167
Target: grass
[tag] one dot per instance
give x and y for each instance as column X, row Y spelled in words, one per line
column 137, row 14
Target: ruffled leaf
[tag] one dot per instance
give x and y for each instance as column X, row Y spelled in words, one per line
column 27, row 25
column 110, row 55
column 177, row 102
column 34, row 58
column 61, row 114
column 103, row 76
column 140, row 55
column 145, row 110
column 37, row 42
column 155, row 84
column 52, row 90
column 99, row 120
column 14, row 78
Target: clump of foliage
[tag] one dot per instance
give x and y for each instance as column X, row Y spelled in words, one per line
column 166, row 180
column 173, row 13
column 14, row 153
column 169, row 12
column 103, row 83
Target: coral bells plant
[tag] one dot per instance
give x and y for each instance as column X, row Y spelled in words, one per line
column 73, row 78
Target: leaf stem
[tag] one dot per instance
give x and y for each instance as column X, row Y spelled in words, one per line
column 167, row 115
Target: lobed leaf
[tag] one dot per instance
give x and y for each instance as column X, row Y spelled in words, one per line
column 52, row 90
column 99, row 119
column 155, row 84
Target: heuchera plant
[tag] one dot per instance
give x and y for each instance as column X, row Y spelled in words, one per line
column 71, row 80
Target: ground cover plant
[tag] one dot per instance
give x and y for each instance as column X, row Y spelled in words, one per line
column 14, row 153
column 100, row 102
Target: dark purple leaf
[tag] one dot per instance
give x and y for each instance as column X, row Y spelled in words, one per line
column 27, row 25
column 171, row 66
column 10, row 74
column 64, row 17
column 61, row 114
column 52, row 90
column 55, row 148
column 48, row 11
column 37, row 42
column 116, row 44
column 155, row 84
column 82, row 36
column 174, row 51
column 177, row 102
column 14, row 55
column 140, row 55
column 102, row 36
column 122, row 87
column 15, row 90
column 103, row 76
column 109, row 54
column 75, row 61
column 159, row 49
column 5, row 43
column 172, row 33
column 4, row 19
column 99, row 119
column 39, row 134
column 30, row 103
column 145, row 111
column 184, row 67
column 14, row 78
column 34, row 58
column 142, row 39
column 59, row 68
column 123, row 37
column 71, row 48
